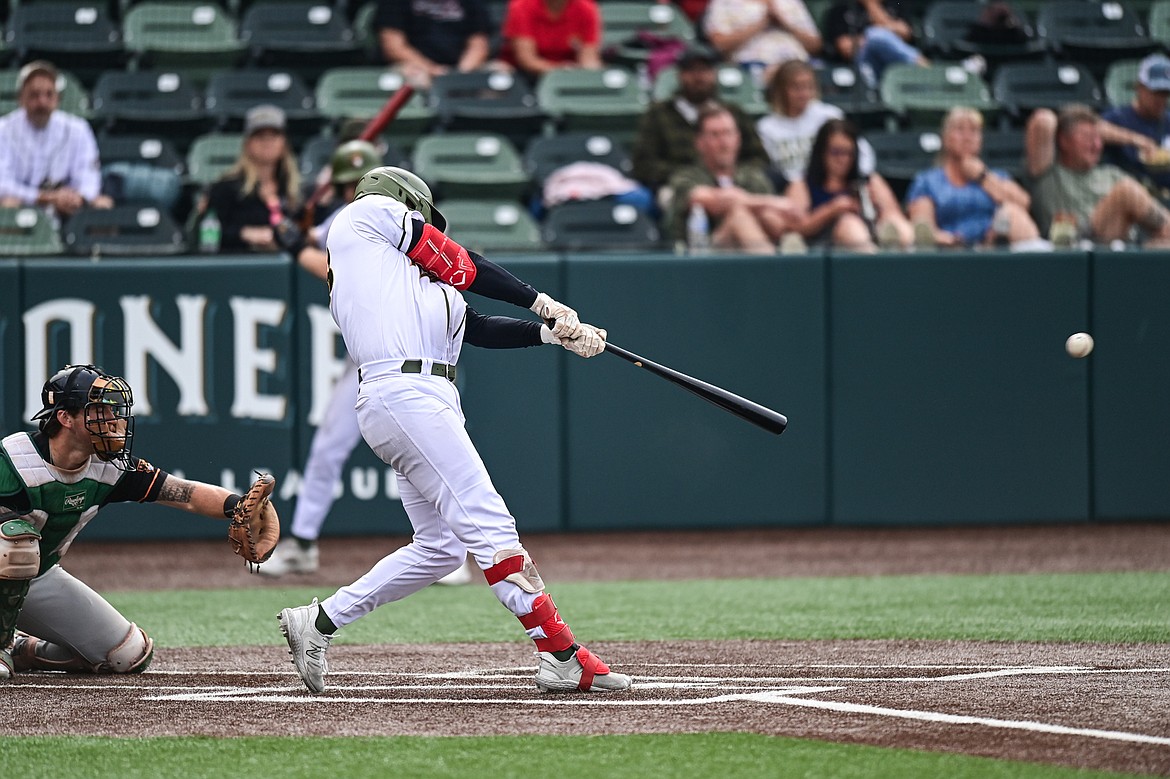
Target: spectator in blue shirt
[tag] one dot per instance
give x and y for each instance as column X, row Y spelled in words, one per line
column 1144, row 125
column 962, row 202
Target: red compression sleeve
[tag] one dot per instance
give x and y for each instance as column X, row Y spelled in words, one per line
column 441, row 257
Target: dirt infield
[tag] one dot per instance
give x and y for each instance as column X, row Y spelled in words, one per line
column 1094, row 706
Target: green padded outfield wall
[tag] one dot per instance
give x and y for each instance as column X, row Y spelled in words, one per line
column 11, row 356
column 951, row 397
column 1131, row 385
column 204, row 342
column 511, row 398
column 643, row 453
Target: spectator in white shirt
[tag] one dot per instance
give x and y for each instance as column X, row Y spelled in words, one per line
column 48, row 158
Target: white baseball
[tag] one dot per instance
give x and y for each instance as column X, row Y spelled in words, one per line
column 1079, row 345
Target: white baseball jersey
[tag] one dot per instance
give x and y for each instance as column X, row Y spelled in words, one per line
column 63, row 153
column 383, row 304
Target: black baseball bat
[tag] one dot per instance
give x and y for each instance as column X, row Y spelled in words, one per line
column 758, row 415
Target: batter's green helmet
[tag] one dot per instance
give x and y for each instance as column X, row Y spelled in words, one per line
column 406, row 188
column 352, row 160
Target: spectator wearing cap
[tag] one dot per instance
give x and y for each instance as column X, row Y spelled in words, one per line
column 1074, row 196
column 48, row 158
column 665, row 140
column 258, row 197
column 425, row 39
column 1140, row 131
column 543, row 35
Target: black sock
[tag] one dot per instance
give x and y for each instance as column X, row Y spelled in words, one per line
column 324, row 625
column 565, row 654
column 305, row 544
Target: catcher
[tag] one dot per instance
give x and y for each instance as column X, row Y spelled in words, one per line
column 52, row 483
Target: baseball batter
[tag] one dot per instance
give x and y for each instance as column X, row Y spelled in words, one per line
column 338, row 434
column 52, row 484
column 395, row 292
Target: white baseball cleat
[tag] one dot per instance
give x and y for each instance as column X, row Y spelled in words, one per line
column 289, row 557
column 583, row 672
column 461, row 575
column 306, row 644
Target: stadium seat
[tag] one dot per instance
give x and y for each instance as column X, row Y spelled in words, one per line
column 137, row 168
column 212, row 154
column 147, row 149
column 843, row 86
column 27, row 232
column 360, row 93
column 1159, row 23
column 919, row 96
column 486, row 101
column 734, row 85
column 1120, row 82
column 74, row 96
column 306, row 37
column 470, row 165
column 491, row 225
column 1093, row 33
column 599, row 225
column 197, row 38
column 318, row 151
column 546, row 154
column 232, row 93
column 947, row 23
column 1022, row 87
column 79, row 37
column 364, row 33
column 623, row 25
column 903, row 154
column 608, row 101
column 149, row 102
column 124, row 230
column 1004, row 149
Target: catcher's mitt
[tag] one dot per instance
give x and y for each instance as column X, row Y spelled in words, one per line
column 255, row 527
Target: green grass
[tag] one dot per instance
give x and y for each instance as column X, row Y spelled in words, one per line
column 724, row 755
column 1104, row 607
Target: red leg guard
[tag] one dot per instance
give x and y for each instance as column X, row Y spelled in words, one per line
column 591, row 666
column 544, row 615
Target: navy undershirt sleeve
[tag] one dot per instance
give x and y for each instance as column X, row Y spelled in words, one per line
column 499, row 332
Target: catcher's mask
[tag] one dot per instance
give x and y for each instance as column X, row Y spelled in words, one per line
column 106, row 402
column 406, row 188
column 352, row 160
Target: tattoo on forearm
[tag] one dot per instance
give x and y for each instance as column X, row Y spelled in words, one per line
column 177, row 491
column 1155, row 218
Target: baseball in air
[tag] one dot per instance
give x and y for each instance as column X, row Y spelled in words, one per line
column 1079, row 345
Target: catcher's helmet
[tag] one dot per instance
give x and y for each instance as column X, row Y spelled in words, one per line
column 352, row 160
column 107, row 402
column 406, row 188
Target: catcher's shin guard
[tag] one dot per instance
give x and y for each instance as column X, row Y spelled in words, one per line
column 12, row 595
column 131, row 656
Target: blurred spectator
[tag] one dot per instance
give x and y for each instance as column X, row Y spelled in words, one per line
column 961, row 201
column 1074, row 196
column 871, row 35
column 543, row 35
column 1145, row 125
column 424, row 38
column 762, row 34
column 797, row 113
column 48, row 158
column 665, row 140
column 257, row 198
column 351, row 160
column 743, row 209
column 841, row 207
column 694, row 9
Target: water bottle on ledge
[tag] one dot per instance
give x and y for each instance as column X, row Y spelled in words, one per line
column 209, row 234
column 698, row 230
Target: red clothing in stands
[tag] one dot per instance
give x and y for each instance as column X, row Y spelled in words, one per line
column 557, row 38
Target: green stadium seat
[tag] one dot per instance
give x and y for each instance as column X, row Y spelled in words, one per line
column 544, row 155
column 1121, row 81
column 901, row 155
column 599, row 225
column 152, row 102
column 77, row 36
column 1159, row 23
column 486, row 101
column 491, row 225
column 1022, row 87
column 734, row 85
column 212, row 154
column 28, row 232
column 306, row 36
column 74, row 96
column 1093, row 34
column 623, row 22
column 945, row 29
column 608, row 101
column 147, row 149
column 843, row 86
column 232, row 93
column 197, row 38
column 123, row 231
column 470, row 165
column 359, row 93
column 920, row 96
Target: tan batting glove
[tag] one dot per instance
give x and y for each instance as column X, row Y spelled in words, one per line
column 563, row 320
column 590, row 342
